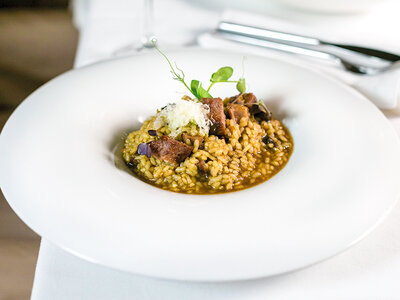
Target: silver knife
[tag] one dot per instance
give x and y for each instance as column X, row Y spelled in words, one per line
column 356, row 59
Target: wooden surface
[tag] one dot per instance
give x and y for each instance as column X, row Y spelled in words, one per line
column 19, row 247
column 17, row 267
column 35, row 46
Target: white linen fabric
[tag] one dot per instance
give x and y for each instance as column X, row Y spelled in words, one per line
column 371, row 30
column 368, row 271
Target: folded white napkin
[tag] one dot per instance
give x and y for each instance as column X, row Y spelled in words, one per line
column 370, row 30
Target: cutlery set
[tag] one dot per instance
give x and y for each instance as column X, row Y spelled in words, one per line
column 359, row 60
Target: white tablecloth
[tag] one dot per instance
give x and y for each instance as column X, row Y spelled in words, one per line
column 369, row 270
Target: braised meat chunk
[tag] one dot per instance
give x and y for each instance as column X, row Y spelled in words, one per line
column 256, row 108
column 237, row 112
column 247, row 99
column 263, row 113
column 192, row 138
column 203, row 171
column 216, row 115
column 202, row 166
column 170, row 150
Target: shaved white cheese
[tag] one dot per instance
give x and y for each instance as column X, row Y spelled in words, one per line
column 178, row 115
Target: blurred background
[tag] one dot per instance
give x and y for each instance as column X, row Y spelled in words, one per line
column 37, row 42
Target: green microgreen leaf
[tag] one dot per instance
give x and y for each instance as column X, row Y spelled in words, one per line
column 222, row 74
column 198, row 91
column 241, row 85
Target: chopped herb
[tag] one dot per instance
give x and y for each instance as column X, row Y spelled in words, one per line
column 153, row 133
column 268, row 140
column 144, row 149
column 131, row 165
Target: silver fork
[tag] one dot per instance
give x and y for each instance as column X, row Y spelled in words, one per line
column 359, row 60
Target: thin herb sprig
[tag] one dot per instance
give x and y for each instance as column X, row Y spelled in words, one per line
column 175, row 75
column 196, row 88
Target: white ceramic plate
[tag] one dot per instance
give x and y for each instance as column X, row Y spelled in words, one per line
column 58, row 172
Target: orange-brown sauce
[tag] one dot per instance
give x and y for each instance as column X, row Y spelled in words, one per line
column 269, row 152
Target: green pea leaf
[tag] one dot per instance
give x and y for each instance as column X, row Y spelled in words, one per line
column 222, row 74
column 198, row 91
column 241, row 85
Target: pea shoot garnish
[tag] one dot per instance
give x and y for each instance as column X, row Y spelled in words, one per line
column 241, row 85
column 196, row 88
column 198, row 91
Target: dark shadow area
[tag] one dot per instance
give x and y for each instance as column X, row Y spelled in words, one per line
column 274, row 105
column 34, row 3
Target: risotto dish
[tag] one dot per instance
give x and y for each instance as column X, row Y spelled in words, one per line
column 209, row 146
column 206, row 145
